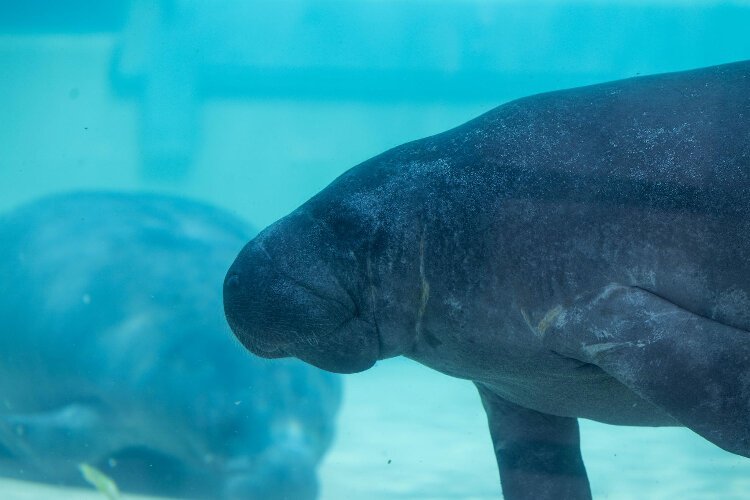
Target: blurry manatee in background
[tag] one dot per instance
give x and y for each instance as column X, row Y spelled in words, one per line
column 114, row 352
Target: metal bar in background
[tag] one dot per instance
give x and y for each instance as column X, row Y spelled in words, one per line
column 171, row 55
column 408, row 50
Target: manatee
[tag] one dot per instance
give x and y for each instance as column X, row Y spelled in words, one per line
column 583, row 253
column 114, row 353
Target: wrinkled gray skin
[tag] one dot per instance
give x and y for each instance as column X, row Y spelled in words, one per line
column 114, row 351
column 583, row 253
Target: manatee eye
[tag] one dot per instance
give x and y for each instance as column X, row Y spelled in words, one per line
column 233, row 281
column 345, row 224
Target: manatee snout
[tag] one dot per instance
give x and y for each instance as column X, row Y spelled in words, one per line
column 268, row 311
column 278, row 308
column 284, row 472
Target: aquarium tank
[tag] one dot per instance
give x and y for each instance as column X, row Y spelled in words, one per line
column 143, row 144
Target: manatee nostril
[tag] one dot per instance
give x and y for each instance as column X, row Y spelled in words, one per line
column 233, row 280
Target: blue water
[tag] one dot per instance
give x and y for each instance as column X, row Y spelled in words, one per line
column 254, row 106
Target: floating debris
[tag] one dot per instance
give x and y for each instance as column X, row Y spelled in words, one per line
column 99, row 480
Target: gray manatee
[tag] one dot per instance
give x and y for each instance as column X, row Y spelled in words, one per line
column 114, row 352
column 576, row 254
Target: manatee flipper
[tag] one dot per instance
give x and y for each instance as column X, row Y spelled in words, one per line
column 57, row 439
column 694, row 368
column 539, row 455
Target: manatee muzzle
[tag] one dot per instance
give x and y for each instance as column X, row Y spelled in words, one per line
column 274, row 315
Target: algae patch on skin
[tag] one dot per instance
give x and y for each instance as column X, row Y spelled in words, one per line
column 549, row 318
column 99, row 480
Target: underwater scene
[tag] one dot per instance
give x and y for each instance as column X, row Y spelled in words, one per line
column 374, row 249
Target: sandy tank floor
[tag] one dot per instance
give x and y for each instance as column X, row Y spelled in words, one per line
column 406, row 432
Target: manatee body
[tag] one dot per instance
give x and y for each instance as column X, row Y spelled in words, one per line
column 582, row 253
column 114, row 352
